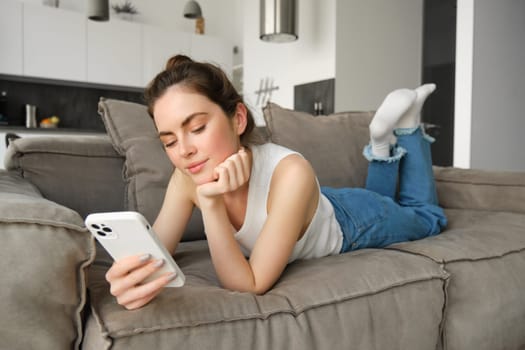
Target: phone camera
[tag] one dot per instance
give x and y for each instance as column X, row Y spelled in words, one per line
column 95, row 226
column 107, row 229
column 102, row 233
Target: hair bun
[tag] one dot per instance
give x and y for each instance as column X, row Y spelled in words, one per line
column 177, row 60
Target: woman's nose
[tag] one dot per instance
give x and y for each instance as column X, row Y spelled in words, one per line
column 186, row 148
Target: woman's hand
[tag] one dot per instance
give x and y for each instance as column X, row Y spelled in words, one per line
column 230, row 175
column 126, row 277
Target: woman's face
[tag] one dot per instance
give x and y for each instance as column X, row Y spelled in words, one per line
column 195, row 132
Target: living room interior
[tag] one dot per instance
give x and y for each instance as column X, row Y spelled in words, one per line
column 459, row 290
column 367, row 49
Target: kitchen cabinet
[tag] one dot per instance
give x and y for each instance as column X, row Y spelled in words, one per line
column 54, row 43
column 158, row 46
column 114, row 53
column 11, row 37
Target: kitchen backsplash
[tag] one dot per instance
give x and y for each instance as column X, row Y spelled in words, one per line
column 75, row 105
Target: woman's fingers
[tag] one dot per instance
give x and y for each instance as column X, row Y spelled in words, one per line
column 126, row 278
column 124, row 266
column 134, row 277
column 230, row 175
column 142, row 294
column 237, row 168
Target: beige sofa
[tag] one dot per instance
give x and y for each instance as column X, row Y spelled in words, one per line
column 463, row 289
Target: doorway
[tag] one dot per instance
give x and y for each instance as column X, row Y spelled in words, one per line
column 439, row 56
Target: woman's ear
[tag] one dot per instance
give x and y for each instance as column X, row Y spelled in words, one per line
column 240, row 118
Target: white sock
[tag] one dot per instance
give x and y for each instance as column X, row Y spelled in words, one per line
column 412, row 117
column 395, row 105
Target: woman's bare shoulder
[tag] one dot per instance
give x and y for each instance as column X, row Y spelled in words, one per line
column 294, row 166
column 293, row 174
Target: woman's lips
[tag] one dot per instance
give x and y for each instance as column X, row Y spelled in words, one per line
column 194, row 168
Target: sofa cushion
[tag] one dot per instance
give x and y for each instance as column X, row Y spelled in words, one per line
column 480, row 189
column 484, row 252
column 333, row 144
column 362, row 298
column 45, row 250
column 76, row 171
column 147, row 169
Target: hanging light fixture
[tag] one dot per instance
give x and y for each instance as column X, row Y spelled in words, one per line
column 98, row 10
column 192, row 10
column 278, row 20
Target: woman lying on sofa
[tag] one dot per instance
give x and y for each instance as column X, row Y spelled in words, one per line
column 261, row 204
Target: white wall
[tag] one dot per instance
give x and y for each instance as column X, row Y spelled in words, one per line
column 494, row 117
column 463, row 84
column 378, row 49
column 498, row 91
column 310, row 58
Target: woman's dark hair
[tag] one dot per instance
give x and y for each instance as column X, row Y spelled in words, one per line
column 203, row 78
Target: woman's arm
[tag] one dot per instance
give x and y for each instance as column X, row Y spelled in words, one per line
column 176, row 211
column 292, row 201
column 126, row 275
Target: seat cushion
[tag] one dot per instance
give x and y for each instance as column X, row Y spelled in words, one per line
column 362, row 298
column 484, row 252
column 45, row 251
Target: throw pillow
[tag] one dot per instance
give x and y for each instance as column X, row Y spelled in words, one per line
column 147, row 168
column 333, row 144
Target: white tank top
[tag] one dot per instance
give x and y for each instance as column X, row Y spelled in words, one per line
column 322, row 237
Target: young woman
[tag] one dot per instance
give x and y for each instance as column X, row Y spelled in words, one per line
column 261, row 205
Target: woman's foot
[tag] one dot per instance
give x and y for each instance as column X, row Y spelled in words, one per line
column 412, row 117
column 395, row 106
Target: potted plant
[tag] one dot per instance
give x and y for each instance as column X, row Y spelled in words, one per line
column 125, row 10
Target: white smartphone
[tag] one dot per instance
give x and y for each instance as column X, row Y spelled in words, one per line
column 126, row 233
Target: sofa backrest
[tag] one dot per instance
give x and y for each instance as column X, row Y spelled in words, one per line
column 80, row 172
column 333, row 143
column 127, row 169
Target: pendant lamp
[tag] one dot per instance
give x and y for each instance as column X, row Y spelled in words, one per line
column 98, row 10
column 278, row 22
column 192, row 10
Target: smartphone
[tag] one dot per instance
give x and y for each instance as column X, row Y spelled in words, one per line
column 126, row 233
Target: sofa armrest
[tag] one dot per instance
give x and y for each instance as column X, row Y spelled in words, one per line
column 83, row 173
column 480, row 189
column 45, row 251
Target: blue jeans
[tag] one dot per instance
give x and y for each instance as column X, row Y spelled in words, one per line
column 380, row 215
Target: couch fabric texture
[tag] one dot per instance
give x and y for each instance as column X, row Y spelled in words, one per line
column 41, row 302
column 462, row 289
column 63, row 168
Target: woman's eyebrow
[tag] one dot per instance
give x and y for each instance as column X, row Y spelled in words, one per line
column 185, row 122
column 189, row 118
column 165, row 133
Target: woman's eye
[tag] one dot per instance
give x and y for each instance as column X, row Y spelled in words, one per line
column 170, row 144
column 199, row 129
